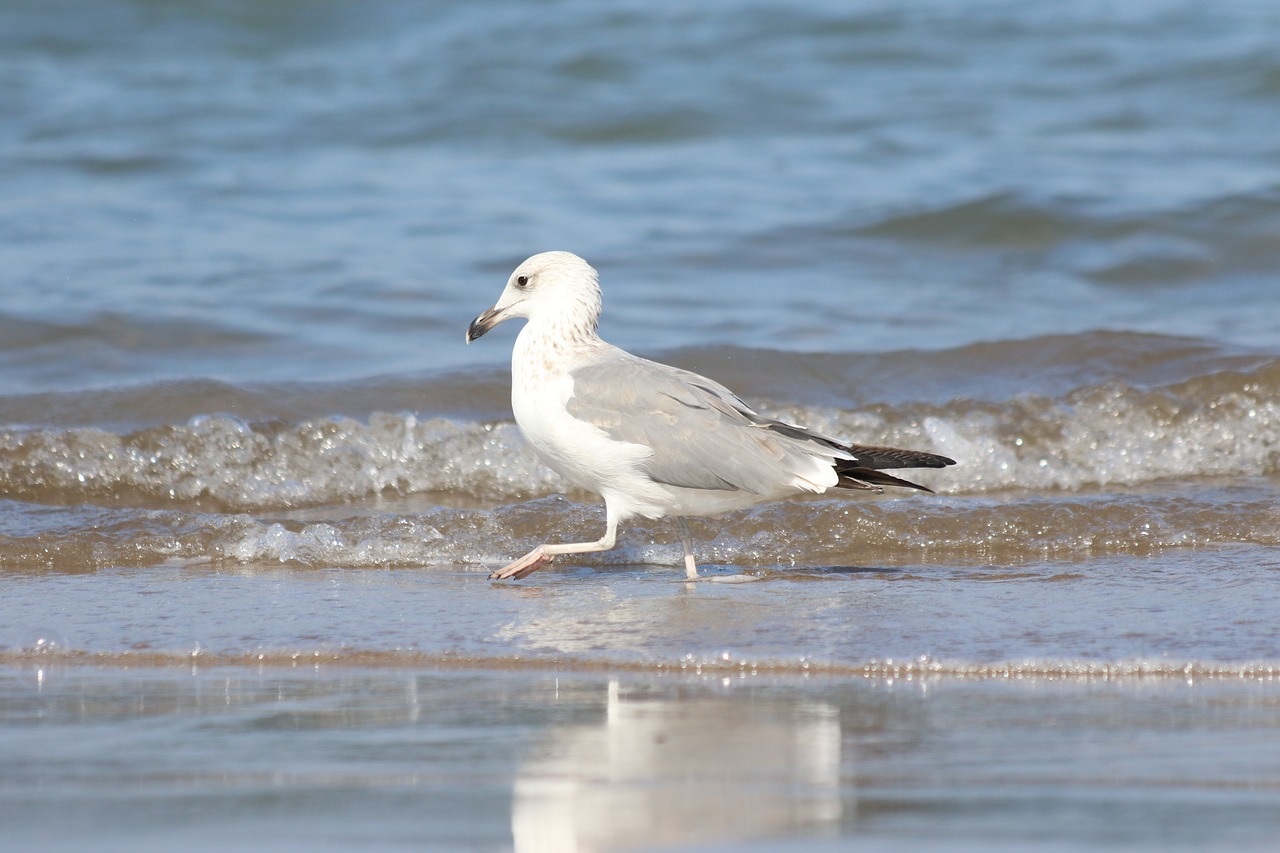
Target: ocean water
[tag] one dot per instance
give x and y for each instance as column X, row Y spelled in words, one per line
column 252, row 481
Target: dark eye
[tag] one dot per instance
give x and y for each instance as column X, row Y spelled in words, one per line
column 522, row 281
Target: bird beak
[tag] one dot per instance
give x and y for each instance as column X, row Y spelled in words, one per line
column 484, row 323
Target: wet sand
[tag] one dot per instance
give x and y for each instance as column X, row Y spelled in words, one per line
column 317, row 756
column 619, row 708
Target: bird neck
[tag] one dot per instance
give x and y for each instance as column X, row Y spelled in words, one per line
column 557, row 341
column 577, row 325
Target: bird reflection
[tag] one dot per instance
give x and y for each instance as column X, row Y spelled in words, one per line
column 661, row 772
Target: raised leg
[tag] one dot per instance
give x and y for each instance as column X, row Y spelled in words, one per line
column 686, row 539
column 544, row 554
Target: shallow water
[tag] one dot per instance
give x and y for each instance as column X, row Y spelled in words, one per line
column 320, row 757
column 239, row 429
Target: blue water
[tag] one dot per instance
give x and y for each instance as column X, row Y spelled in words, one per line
column 250, row 191
column 241, row 241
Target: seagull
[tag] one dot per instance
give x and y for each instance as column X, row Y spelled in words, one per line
column 652, row 440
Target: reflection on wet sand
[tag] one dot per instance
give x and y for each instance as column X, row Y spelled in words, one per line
column 148, row 757
column 664, row 772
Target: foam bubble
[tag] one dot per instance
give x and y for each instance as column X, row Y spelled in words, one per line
column 384, row 541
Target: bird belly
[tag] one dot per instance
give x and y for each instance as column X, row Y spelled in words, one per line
column 699, row 502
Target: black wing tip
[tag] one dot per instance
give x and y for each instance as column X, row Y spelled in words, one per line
column 867, row 472
column 873, row 480
column 879, row 457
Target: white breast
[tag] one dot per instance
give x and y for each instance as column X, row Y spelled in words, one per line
column 581, row 453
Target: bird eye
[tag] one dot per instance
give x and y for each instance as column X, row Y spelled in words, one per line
column 522, row 281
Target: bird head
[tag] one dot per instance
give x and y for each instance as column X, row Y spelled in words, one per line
column 553, row 286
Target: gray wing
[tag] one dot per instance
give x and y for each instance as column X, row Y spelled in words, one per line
column 701, row 434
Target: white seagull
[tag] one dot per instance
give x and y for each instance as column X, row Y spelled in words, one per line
column 651, row 439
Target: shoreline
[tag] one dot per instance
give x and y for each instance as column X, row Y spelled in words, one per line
column 726, row 666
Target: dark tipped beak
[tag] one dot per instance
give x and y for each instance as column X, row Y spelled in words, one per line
column 483, row 323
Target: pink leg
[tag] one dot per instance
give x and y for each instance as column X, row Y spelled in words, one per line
column 544, row 554
column 523, row 567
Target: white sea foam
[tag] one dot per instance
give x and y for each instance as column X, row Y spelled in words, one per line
column 1098, row 436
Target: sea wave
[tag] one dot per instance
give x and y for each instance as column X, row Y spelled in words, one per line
column 821, row 536
column 1111, row 247
column 224, row 462
column 1224, row 423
